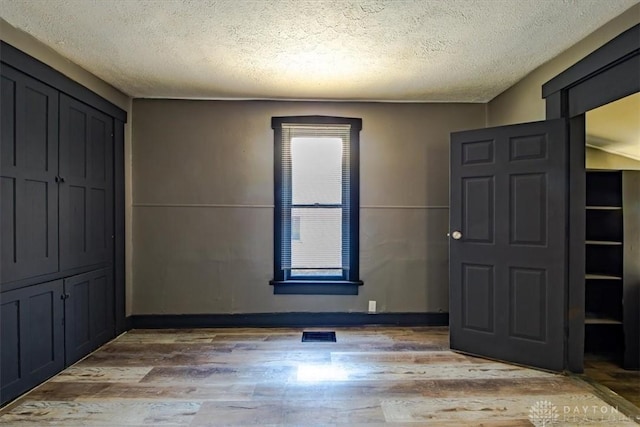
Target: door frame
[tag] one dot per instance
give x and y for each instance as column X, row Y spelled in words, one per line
column 607, row 74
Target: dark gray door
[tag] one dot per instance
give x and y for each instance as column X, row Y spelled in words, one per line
column 32, row 338
column 86, row 193
column 29, row 163
column 88, row 312
column 507, row 246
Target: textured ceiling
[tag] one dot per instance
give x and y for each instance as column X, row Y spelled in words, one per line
column 396, row 50
column 615, row 127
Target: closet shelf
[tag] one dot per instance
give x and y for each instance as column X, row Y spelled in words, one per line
column 601, row 321
column 604, row 208
column 611, row 231
column 603, row 242
column 601, row 277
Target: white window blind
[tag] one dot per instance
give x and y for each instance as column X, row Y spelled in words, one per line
column 315, row 191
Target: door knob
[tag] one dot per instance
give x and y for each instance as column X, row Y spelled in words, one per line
column 456, row 235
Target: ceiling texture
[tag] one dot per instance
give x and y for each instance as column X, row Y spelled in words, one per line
column 375, row 50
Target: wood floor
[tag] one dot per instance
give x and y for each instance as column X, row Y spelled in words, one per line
column 370, row 376
column 607, row 372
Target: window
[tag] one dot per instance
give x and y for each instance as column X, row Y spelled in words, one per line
column 316, row 215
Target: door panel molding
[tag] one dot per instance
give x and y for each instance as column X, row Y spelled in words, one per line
column 28, row 171
column 478, row 209
column 86, row 195
column 525, row 226
column 89, row 301
column 32, row 337
column 478, row 297
column 477, row 152
column 528, row 286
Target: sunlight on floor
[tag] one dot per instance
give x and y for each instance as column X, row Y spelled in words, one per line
column 317, row 373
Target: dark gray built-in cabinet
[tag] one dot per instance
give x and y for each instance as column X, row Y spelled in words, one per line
column 32, row 336
column 61, row 222
column 612, row 261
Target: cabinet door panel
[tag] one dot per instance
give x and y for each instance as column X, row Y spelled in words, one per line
column 32, row 337
column 29, row 198
column 8, row 101
column 11, row 312
column 77, row 313
column 86, row 195
column 44, row 314
column 89, row 315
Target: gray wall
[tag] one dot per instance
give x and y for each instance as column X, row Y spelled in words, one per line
column 523, row 101
column 203, row 205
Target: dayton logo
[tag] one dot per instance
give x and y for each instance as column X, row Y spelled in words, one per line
column 543, row 413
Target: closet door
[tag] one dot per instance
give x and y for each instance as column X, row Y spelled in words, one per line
column 88, row 312
column 28, row 167
column 86, row 188
column 31, row 329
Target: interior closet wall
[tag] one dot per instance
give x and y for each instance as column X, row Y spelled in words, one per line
column 612, row 274
column 598, row 159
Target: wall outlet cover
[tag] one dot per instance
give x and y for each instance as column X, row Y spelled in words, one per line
column 372, row 306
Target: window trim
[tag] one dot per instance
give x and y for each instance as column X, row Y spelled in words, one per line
column 349, row 284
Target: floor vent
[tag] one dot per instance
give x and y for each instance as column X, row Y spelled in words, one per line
column 319, row 336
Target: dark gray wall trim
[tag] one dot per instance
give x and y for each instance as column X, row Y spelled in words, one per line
column 611, row 84
column 39, row 70
column 310, row 287
column 119, row 227
column 356, row 124
column 128, row 323
column 274, row 320
column 556, row 105
column 609, row 72
column 606, row 56
column 576, row 225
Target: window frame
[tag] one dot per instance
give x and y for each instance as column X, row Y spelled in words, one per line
column 350, row 281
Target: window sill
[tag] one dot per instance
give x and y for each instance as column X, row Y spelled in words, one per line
column 315, row 287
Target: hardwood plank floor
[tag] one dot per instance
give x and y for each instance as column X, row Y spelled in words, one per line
column 606, row 370
column 372, row 376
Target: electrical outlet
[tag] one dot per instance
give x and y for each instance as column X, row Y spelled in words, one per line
column 372, row 306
